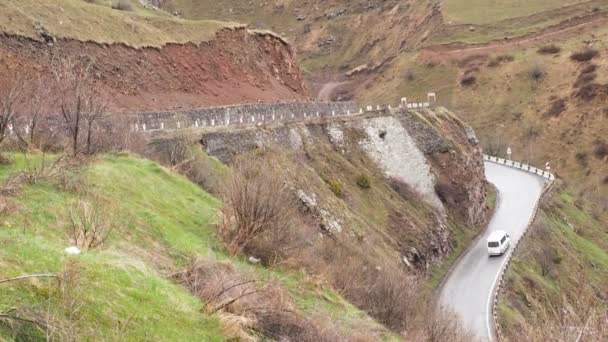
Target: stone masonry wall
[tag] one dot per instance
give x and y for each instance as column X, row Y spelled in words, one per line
column 243, row 114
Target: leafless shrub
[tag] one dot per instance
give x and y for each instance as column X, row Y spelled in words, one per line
column 494, row 148
column 557, row 107
column 468, row 80
column 113, row 134
column 584, row 78
column 255, row 201
column 200, row 171
column 441, row 325
column 537, row 72
column 580, row 318
column 600, row 150
column 71, row 301
column 81, row 102
column 88, row 223
column 584, row 55
column 446, row 192
column 409, row 75
column 500, row 59
column 11, row 96
column 549, row 49
column 122, row 5
column 587, row 92
column 472, row 60
column 384, row 291
column 546, row 259
column 582, row 158
column 32, row 123
column 404, row 190
column 25, row 324
column 250, row 305
column 176, row 150
column 589, row 69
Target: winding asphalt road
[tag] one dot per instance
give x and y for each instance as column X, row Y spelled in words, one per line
column 469, row 287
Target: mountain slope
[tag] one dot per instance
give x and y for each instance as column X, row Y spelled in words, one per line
column 160, row 222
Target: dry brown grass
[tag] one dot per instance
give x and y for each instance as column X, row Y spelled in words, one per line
column 439, row 325
column 251, row 307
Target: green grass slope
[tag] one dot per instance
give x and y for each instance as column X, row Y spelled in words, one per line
column 160, row 222
column 98, row 22
column 558, row 275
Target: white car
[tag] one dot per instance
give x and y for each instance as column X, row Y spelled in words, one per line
column 498, row 242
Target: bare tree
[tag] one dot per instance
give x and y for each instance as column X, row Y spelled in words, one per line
column 81, row 102
column 32, row 119
column 11, row 91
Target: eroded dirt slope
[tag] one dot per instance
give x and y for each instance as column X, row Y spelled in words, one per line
column 236, row 66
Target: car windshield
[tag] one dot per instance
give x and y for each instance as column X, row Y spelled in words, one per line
column 492, row 244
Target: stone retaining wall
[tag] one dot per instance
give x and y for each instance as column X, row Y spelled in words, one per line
column 244, row 114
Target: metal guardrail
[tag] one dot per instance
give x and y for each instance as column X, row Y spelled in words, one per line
column 519, row 165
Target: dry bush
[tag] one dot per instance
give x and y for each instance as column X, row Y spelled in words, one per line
column 404, row 190
column 472, row 60
column 549, row 49
column 113, row 134
column 384, row 291
column 500, row 59
column 363, row 181
column 446, row 192
column 200, row 170
column 89, row 224
column 547, row 259
column 122, row 5
column 582, row 158
column 409, row 75
column 441, row 325
column 468, row 80
column 601, row 149
column 557, row 107
column 173, row 151
column 589, row 69
column 584, row 55
column 250, row 307
column 256, row 201
column 585, row 78
column 537, row 72
column 581, row 318
column 80, row 101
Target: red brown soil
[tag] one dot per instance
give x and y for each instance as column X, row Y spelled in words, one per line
column 454, row 52
column 235, row 67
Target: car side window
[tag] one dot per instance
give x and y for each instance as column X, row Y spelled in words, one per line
column 504, row 238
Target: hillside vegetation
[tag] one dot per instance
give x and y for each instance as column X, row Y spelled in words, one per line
column 547, row 106
column 556, row 286
column 159, row 223
column 98, row 22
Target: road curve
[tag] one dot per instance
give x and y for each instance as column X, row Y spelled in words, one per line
column 469, row 287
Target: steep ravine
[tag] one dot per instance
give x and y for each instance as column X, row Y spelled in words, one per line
column 400, row 191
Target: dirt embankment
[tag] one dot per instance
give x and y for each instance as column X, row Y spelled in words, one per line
column 237, row 66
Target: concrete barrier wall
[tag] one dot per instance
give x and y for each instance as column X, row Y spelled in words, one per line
column 501, row 282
